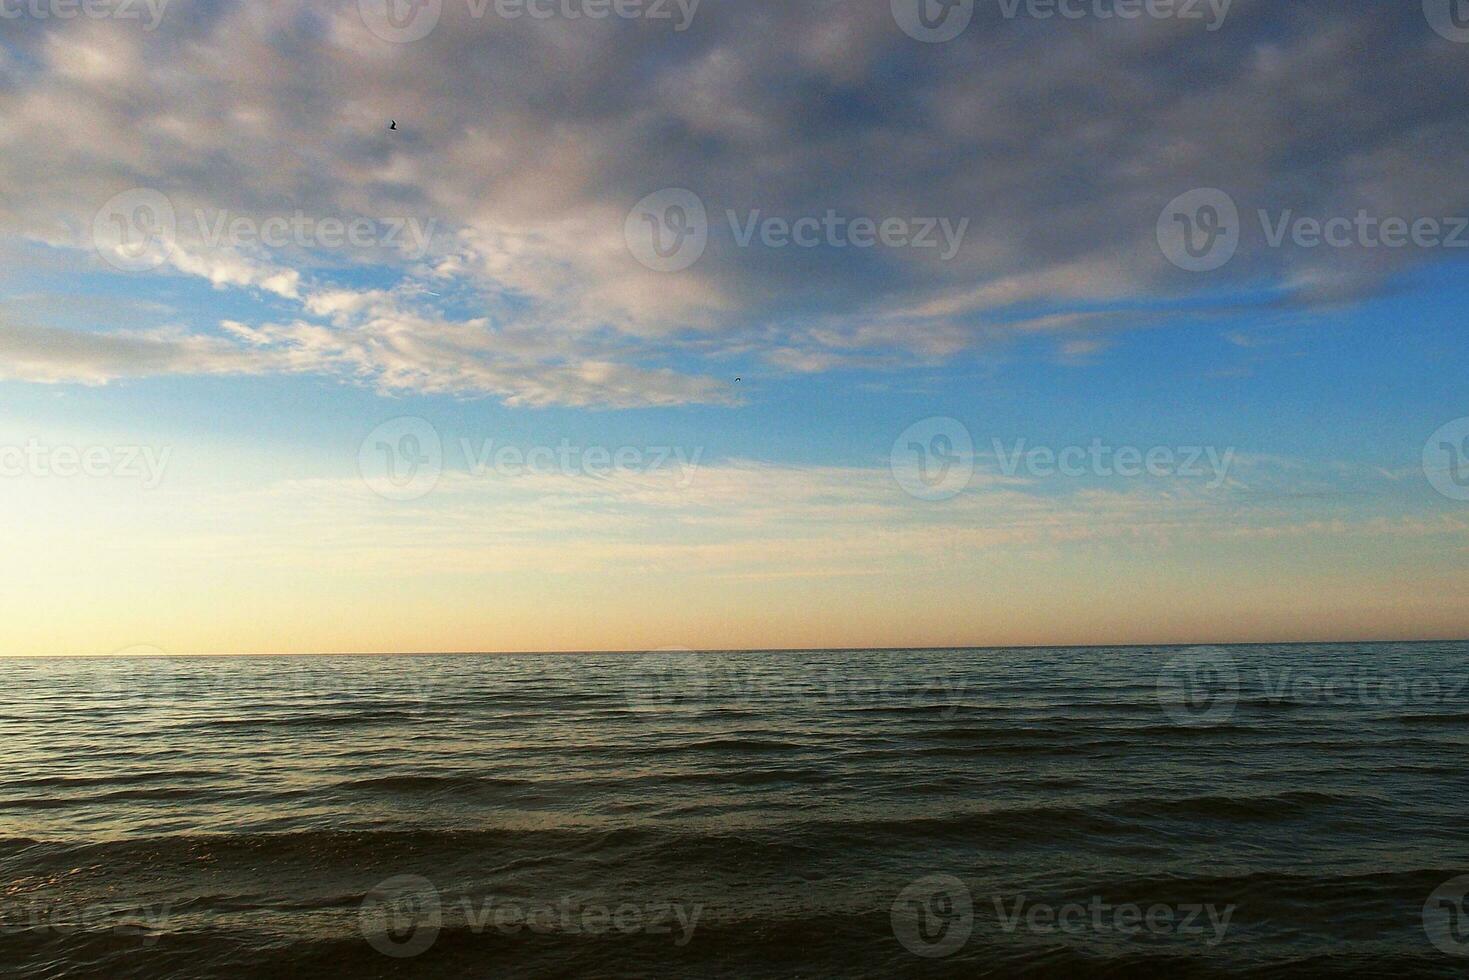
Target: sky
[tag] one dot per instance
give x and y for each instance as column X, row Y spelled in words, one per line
column 733, row 324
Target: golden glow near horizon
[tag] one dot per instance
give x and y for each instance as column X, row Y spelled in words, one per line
column 233, row 554
column 238, row 241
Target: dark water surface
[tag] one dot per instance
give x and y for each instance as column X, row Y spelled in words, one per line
column 1291, row 810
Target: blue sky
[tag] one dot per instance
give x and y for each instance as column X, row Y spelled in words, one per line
column 580, row 190
column 1358, row 382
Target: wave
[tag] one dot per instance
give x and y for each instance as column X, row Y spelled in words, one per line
column 335, row 719
column 1439, row 718
column 420, row 783
column 727, row 744
column 61, row 803
column 120, row 778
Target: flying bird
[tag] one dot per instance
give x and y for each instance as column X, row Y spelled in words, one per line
column 393, row 125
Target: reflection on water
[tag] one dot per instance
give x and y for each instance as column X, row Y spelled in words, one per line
column 1221, row 811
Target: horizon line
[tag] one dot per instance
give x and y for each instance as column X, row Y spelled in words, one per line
column 161, row 654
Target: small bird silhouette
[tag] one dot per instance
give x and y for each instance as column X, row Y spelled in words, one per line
column 737, row 380
column 393, row 125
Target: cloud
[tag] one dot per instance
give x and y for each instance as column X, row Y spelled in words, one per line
column 52, row 356
column 740, row 518
column 525, row 142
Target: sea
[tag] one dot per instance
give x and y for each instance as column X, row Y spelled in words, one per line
column 1226, row 811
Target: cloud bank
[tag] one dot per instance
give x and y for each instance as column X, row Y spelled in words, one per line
column 525, row 142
